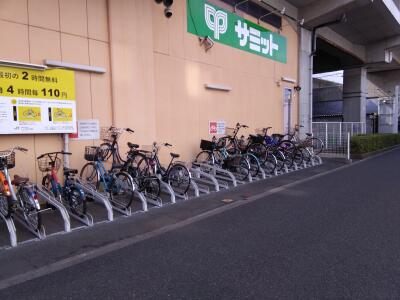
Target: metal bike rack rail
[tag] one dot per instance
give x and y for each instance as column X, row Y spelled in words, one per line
column 142, row 199
column 97, row 197
column 219, row 173
column 11, row 230
column 45, row 196
column 40, row 234
column 204, row 178
column 167, row 189
column 194, row 187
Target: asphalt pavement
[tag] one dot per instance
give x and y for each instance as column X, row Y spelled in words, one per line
column 335, row 236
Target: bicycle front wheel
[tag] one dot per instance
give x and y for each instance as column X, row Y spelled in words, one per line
column 90, row 175
column 179, row 178
column 29, row 208
column 121, row 190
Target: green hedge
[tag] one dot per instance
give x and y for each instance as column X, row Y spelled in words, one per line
column 361, row 144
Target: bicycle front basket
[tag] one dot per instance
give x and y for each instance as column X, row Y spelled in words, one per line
column 107, row 134
column 7, row 160
column 257, row 139
column 93, row 153
column 45, row 164
column 207, row 145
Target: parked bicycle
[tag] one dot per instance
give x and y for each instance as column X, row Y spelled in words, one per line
column 24, row 199
column 146, row 183
column 314, row 144
column 70, row 194
column 215, row 153
column 176, row 174
column 110, row 147
column 117, row 184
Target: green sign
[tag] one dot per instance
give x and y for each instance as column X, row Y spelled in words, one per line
column 205, row 19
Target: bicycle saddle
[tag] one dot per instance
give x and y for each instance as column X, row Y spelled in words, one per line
column 134, row 146
column 68, row 171
column 309, row 134
column 19, row 180
column 174, row 155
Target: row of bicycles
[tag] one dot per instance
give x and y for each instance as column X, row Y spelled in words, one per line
column 247, row 155
column 118, row 176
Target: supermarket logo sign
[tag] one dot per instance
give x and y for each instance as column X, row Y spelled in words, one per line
column 224, row 27
column 216, row 20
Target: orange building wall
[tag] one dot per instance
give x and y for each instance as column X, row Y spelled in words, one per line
column 155, row 76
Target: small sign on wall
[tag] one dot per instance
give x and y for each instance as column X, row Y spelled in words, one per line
column 216, row 127
column 87, row 130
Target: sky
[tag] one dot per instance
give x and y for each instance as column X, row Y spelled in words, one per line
column 336, row 76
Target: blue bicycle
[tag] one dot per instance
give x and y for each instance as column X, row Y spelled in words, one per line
column 70, row 194
column 117, row 184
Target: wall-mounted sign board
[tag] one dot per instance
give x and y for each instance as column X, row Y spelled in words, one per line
column 87, row 130
column 33, row 101
column 216, row 127
column 205, row 19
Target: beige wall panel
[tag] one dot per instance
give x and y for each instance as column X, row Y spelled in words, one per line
column 97, row 19
column 101, row 83
column 194, row 52
column 74, row 49
column 133, row 66
column 44, row 44
column 160, row 29
column 17, row 45
column 44, row 13
column 14, row 10
column 73, row 17
column 83, row 96
column 177, row 29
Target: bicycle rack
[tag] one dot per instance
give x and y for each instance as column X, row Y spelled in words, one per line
column 195, row 187
column 201, row 178
column 45, row 196
column 167, row 189
column 97, row 197
column 142, row 199
column 11, row 230
column 40, row 234
column 221, row 175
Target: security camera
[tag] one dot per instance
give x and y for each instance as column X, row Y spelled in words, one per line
column 168, row 3
column 168, row 12
column 297, row 88
column 207, row 42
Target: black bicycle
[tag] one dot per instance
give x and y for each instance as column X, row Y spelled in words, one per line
column 176, row 174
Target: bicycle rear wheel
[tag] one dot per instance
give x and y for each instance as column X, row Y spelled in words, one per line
column 4, row 202
column 259, row 150
column 121, row 190
column 254, row 164
column 29, row 208
column 179, row 178
column 150, row 186
column 76, row 201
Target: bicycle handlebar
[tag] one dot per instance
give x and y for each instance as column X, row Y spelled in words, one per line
column 52, row 153
column 22, row 149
